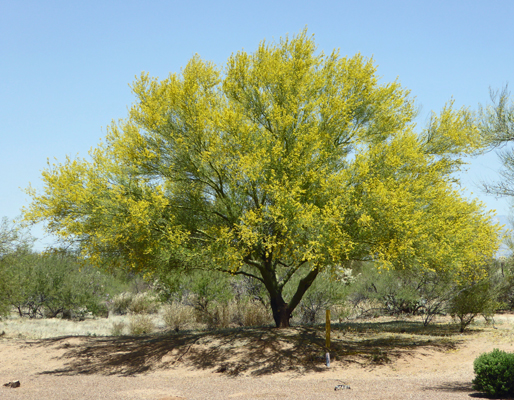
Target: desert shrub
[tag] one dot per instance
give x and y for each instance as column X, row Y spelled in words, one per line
column 5, row 308
column 398, row 291
column 506, row 294
column 141, row 324
column 5, row 283
column 206, row 286
column 312, row 307
column 254, row 313
column 392, row 292
column 177, row 315
column 425, row 293
column 245, row 312
column 14, row 239
column 214, row 299
column 478, row 298
column 494, row 373
column 504, row 279
column 144, row 303
column 48, row 285
column 208, row 292
column 134, row 303
column 117, row 328
column 216, row 315
column 436, row 290
column 119, row 305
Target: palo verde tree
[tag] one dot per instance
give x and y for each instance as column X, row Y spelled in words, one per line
column 497, row 127
column 282, row 164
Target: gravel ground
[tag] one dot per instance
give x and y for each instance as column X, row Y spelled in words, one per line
column 209, row 386
column 182, row 367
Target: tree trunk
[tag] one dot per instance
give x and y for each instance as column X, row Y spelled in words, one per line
column 281, row 311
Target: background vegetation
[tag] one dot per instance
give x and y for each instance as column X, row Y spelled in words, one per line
column 58, row 285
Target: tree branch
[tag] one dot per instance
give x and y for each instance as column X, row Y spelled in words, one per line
column 290, row 272
column 243, row 273
column 304, row 284
column 205, row 234
column 253, row 263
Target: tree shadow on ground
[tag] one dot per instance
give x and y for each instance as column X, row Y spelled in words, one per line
column 454, row 387
column 486, row 396
column 466, row 387
column 410, row 327
column 256, row 351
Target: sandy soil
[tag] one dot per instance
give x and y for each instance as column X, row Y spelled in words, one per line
column 390, row 360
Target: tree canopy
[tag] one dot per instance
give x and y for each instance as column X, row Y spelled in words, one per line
column 497, row 127
column 13, row 237
column 285, row 161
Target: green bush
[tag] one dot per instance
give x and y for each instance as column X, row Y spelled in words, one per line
column 426, row 293
column 13, row 239
column 505, row 278
column 394, row 292
column 48, row 285
column 208, row 292
column 475, row 299
column 5, row 306
column 494, row 373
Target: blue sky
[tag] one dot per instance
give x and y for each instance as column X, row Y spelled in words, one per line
column 66, row 66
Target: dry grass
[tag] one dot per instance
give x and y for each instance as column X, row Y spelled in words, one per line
column 118, row 328
column 182, row 317
column 144, row 303
column 120, row 303
column 255, row 314
column 141, row 325
column 140, row 303
column 177, row 316
column 40, row 328
column 234, row 315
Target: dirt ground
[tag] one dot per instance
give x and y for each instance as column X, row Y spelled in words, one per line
column 377, row 359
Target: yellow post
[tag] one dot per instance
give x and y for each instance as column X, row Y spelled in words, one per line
column 327, row 326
